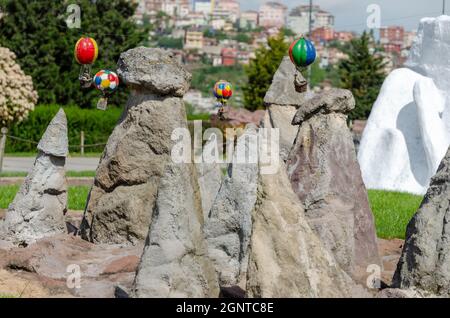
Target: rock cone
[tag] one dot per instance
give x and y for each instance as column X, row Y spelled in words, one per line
column 228, row 227
column 120, row 204
column 175, row 261
column 39, row 207
column 425, row 260
column 325, row 175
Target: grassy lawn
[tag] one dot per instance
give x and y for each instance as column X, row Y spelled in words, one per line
column 68, row 174
column 393, row 211
column 7, row 296
column 76, row 197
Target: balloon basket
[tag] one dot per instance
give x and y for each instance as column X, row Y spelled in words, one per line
column 85, row 76
column 102, row 103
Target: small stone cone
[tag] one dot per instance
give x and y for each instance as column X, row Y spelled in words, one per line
column 39, row 207
column 55, row 141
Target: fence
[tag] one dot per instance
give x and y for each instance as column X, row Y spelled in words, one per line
column 4, row 136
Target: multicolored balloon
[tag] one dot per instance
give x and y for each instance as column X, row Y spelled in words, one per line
column 302, row 52
column 223, row 91
column 106, row 81
column 86, row 51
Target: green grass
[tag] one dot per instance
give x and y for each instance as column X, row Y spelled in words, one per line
column 393, row 211
column 8, row 296
column 76, row 196
column 68, row 174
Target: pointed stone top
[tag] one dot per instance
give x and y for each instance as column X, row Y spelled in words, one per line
column 282, row 91
column 55, row 141
column 335, row 100
column 153, row 70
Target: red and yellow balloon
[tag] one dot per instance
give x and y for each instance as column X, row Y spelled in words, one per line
column 86, row 51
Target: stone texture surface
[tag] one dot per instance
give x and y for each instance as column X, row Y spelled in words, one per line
column 425, row 260
column 282, row 101
column 390, row 252
column 55, row 140
column 45, row 263
column 120, row 204
column 228, row 227
column 286, row 258
column 281, row 117
column 334, row 100
column 39, row 207
column 209, row 179
column 325, row 175
column 282, row 90
column 175, row 261
column 154, row 71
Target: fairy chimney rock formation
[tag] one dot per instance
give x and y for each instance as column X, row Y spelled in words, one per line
column 120, row 204
column 175, row 260
column 228, row 226
column 39, row 207
column 286, row 258
column 282, row 100
column 425, row 261
column 325, row 175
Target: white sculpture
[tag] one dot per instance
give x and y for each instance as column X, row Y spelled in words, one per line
column 408, row 131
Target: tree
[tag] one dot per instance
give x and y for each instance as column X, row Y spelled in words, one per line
column 37, row 32
column 288, row 32
column 170, row 43
column 261, row 70
column 17, row 95
column 243, row 38
column 363, row 74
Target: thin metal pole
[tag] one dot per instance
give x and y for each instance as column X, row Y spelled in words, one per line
column 309, row 36
column 443, row 7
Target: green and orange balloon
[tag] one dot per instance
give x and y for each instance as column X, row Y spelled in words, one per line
column 302, row 52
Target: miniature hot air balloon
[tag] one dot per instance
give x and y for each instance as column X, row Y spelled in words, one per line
column 223, row 92
column 107, row 83
column 86, row 53
column 302, row 53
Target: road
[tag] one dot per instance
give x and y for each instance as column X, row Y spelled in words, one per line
column 20, row 164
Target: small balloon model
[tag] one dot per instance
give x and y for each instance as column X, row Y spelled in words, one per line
column 86, row 53
column 302, row 53
column 223, row 92
column 107, row 83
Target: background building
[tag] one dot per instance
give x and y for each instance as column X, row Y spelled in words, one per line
column 194, row 40
column 392, row 38
column 272, row 14
column 298, row 19
column 205, row 7
column 248, row 20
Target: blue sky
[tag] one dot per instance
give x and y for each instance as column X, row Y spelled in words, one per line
column 351, row 14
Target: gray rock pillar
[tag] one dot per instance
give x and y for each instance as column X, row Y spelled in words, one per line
column 326, row 177
column 175, row 261
column 39, row 207
column 120, row 204
column 425, row 260
column 282, row 100
column 228, row 226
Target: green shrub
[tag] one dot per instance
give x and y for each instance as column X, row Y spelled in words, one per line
column 96, row 124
